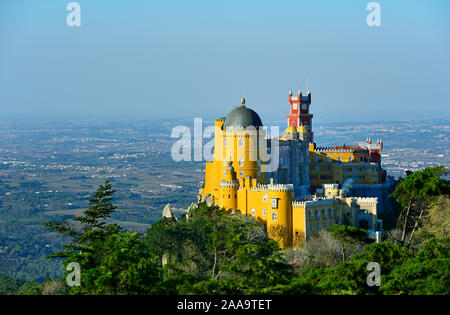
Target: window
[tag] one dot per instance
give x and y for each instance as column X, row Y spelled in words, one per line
column 311, row 228
column 324, row 225
column 253, row 211
column 318, row 214
column 331, row 223
column 241, row 173
column 241, row 143
column 265, row 197
column 339, row 158
column 331, row 213
column 325, row 213
column 224, row 142
column 274, row 203
column 264, row 212
column 311, row 215
column 350, row 158
column 241, row 162
column 274, row 216
column 317, row 227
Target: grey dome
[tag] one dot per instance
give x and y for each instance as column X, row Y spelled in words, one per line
column 242, row 116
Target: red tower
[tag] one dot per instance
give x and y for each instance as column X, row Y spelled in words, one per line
column 299, row 112
column 374, row 149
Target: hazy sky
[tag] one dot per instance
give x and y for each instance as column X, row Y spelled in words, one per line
column 195, row 58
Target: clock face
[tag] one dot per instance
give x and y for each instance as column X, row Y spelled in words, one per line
column 294, row 106
column 304, row 106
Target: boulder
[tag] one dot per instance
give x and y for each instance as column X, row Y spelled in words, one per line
column 167, row 213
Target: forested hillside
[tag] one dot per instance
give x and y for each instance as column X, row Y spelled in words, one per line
column 213, row 251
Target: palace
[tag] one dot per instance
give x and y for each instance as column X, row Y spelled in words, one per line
column 310, row 189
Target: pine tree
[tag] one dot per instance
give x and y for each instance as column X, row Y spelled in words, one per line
column 91, row 227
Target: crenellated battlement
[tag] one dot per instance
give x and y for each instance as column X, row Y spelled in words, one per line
column 365, row 200
column 316, row 201
column 229, row 184
column 298, row 204
column 339, row 150
column 273, row 187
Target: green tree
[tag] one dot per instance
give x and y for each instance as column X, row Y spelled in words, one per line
column 349, row 277
column 437, row 221
column 7, row 285
column 124, row 267
column 87, row 235
column 349, row 237
column 213, row 251
column 416, row 193
column 92, row 225
column 427, row 273
column 19, row 287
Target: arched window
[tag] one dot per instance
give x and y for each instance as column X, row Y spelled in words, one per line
column 274, row 216
column 264, row 211
column 253, row 211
